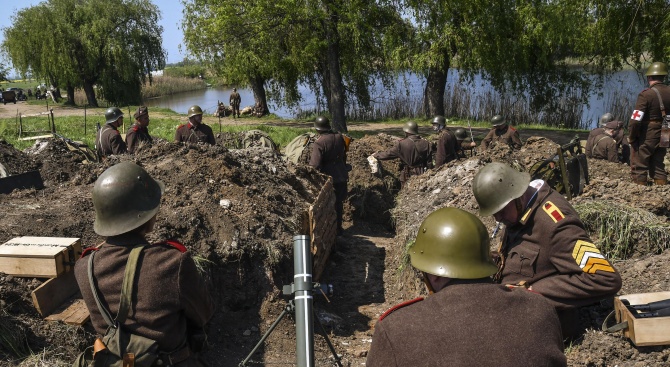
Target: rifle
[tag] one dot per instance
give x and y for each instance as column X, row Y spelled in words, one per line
column 649, row 307
column 472, row 138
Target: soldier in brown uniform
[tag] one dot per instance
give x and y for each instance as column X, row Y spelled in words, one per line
column 644, row 129
column 464, row 143
column 329, row 155
column 138, row 133
column 545, row 245
column 465, row 320
column 445, row 151
column 604, row 145
column 415, row 153
column 108, row 140
column 235, row 101
column 621, row 141
column 501, row 133
column 195, row 131
column 170, row 303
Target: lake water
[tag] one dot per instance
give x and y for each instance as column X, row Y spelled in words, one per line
column 623, row 85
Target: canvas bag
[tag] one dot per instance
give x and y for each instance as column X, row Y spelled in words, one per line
column 119, row 348
column 665, row 126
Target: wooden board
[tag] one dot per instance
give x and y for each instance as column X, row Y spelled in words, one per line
column 643, row 331
column 41, row 257
column 37, row 137
column 74, row 312
column 54, row 292
column 322, row 227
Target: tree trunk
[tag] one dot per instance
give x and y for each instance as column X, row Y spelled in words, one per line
column 334, row 75
column 70, row 95
column 90, row 94
column 260, row 98
column 433, row 95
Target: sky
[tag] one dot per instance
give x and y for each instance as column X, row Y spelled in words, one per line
column 171, row 14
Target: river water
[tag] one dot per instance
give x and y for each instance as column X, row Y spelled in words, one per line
column 623, row 85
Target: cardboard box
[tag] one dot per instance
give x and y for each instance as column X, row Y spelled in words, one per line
column 643, row 331
column 39, row 257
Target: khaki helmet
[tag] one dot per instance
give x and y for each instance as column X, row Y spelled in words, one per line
column 657, row 68
column 460, row 134
column 112, row 114
column 439, row 120
column 605, row 118
column 411, row 128
column 124, row 197
column 322, row 124
column 194, row 110
column 498, row 120
column 453, row 243
column 496, row 185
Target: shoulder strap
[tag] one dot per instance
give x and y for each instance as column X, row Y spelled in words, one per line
column 126, row 288
column 660, row 100
column 599, row 140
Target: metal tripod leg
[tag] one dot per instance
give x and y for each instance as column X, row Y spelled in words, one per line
column 290, row 307
column 330, row 345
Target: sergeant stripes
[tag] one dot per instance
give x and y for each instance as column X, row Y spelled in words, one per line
column 589, row 258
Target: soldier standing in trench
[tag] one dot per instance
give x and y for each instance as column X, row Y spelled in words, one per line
column 545, row 246
column 194, row 131
column 108, row 140
column 501, row 133
column 465, row 320
column 464, row 143
column 138, row 133
column 447, row 144
column 415, row 153
column 329, row 155
column 644, row 129
column 235, row 101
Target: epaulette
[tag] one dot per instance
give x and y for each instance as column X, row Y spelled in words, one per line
column 174, row 244
column 180, row 126
column 136, row 128
column 88, row 251
column 399, row 306
column 511, row 128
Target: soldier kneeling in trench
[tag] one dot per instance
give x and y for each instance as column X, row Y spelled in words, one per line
column 170, row 303
column 545, row 246
column 465, row 320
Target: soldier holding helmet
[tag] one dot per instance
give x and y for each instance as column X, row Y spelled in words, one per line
column 415, row 153
column 466, row 313
column 108, row 140
column 194, row 131
column 501, row 133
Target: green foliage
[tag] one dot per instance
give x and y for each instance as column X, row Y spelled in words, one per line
column 186, row 71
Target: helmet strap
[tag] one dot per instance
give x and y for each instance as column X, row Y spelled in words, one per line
column 427, row 283
column 519, row 208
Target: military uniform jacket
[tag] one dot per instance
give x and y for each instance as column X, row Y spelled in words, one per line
column 109, row 141
column 169, row 291
column 188, row 133
column 508, row 136
column 647, row 116
column 413, row 151
column 467, row 325
column 604, row 147
column 550, row 250
column 235, row 99
column 137, row 134
column 329, row 156
column 446, row 148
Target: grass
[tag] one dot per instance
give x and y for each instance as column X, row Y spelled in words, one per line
column 24, row 84
column 622, row 229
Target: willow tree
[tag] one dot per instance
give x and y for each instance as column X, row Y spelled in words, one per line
column 332, row 46
column 112, row 44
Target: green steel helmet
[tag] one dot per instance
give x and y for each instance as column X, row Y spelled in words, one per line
column 498, row 120
column 657, row 68
column 411, row 128
column 496, row 184
column 124, row 197
column 439, row 120
column 322, row 123
column 605, row 118
column 112, row 114
column 461, row 134
column 453, row 243
column 194, row 110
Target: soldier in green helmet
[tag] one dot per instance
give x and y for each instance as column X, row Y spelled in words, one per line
column 501, row 133
column 108, row 140
column 415, row 153
column 648, row 136
column 194, row 131
column 466, row 316
column 464, row 142
column 544, row 245
column 168, row 286
column 446, row 146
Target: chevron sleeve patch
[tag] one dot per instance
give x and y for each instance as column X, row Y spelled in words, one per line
column 552, row 210
column 589, row 258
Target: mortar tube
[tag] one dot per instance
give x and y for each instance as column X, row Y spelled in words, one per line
column 302, row 279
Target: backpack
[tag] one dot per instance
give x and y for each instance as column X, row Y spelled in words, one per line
column 257, row 138
column 119, row 347
column 299, row 150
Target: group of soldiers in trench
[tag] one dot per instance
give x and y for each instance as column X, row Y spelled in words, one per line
column 513, row 306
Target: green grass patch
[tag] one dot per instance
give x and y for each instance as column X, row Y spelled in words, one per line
column 24, row 84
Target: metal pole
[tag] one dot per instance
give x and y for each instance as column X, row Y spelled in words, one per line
column 302, row 278
column 84, row 120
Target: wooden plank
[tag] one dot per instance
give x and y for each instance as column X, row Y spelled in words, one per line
column 54, row 292
column 73, row 312
column 37, row 137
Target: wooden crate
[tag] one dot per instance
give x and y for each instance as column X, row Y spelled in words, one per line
column 643, row 331
column 39, row 257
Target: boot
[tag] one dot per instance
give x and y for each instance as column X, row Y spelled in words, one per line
column 640, row 182
column 661, row 182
